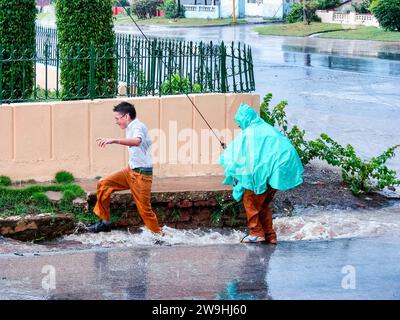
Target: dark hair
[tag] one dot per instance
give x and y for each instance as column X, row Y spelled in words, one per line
column 126, row 107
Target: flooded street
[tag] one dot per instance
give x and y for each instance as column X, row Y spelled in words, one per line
column 321, row 255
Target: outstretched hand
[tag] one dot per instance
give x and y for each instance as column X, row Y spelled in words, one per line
column 102, row 142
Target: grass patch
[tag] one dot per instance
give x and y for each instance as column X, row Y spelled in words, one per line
column 329, row 30
column 64, row 177
column 86, row 218
column 123, row 19
column 364, row 33
column 5, row 181
column 298, row 29
column 32, row 200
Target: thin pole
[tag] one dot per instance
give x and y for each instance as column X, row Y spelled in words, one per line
column 223, row 145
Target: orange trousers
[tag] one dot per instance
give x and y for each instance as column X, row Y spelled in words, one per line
column 140, row 187
column 259, row 214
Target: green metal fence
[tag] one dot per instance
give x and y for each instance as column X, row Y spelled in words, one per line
column 155, row 67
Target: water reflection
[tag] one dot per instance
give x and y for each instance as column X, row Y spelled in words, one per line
column 208, row 272
column 310, row 56
column 251, row 283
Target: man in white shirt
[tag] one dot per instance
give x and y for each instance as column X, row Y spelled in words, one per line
column 137, row 176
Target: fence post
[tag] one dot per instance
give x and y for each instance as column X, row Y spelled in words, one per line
column 128, row 65
column 160, row 62
column 12, row 56
column 46, row 56
column 245, row 61
column 240, row 69
column 91, row 75
column 153, row 54
column 57, row 71
column 251, row 75
column 223, row 66
column 201, row 62
column 233, row 67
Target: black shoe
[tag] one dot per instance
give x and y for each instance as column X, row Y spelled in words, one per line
column 100, row 226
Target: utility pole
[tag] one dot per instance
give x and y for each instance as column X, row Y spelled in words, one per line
column 233, row 12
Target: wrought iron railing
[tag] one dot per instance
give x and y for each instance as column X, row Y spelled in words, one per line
column 155, row 67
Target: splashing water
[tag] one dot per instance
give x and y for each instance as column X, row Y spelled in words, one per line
column 171, row 237
column 323, row 225
column 310, row 224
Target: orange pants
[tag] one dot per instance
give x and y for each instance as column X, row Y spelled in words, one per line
column 259, row 214
column 140, row 186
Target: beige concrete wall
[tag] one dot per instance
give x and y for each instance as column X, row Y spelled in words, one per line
column 39, row 139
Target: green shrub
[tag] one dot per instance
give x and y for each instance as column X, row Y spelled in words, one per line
column 362, row 7
column 362, row 176
column 328, row 4
column 170, row 8
column 295, row 13
column 178, row 84
column 388, row 14
column 310, row 7
column 144, row 9
column 119, row 3
column 64, row 177
column 87, row 48
column 5, row 181
column 17, row 41
column 40, row 200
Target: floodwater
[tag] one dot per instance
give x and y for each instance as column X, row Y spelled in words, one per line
column 320, row 255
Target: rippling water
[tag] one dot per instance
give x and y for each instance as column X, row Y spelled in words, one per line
column 310, row 224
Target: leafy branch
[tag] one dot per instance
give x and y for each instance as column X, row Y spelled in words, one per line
column 362, row 176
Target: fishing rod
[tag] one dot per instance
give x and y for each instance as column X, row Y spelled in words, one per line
column 223, row 145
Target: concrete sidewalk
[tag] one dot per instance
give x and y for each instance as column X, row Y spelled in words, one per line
column 172, row 184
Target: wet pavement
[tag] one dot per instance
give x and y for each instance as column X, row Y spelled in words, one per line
column 337, row 269
column 337, row 254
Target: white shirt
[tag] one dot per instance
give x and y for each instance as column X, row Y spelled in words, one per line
column 139, row 156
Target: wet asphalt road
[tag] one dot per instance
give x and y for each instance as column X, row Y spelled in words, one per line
column 363, row 268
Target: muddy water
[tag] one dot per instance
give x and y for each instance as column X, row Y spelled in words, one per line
column 321, row 255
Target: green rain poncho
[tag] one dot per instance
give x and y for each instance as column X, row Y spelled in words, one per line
column 259, row 156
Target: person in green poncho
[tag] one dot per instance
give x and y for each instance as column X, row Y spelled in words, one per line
column 258, row 162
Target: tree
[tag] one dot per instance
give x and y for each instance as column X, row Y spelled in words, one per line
column 328, row 4
column 362, row 7
column 309, row 8
column 388, row 14
column 87, row 48
column 17, row 42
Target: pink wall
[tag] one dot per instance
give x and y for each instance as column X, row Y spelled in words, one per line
column 39, row 139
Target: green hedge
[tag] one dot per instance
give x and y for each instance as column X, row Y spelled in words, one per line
column 86, row 70
column 388, row 14
column 17, row 41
